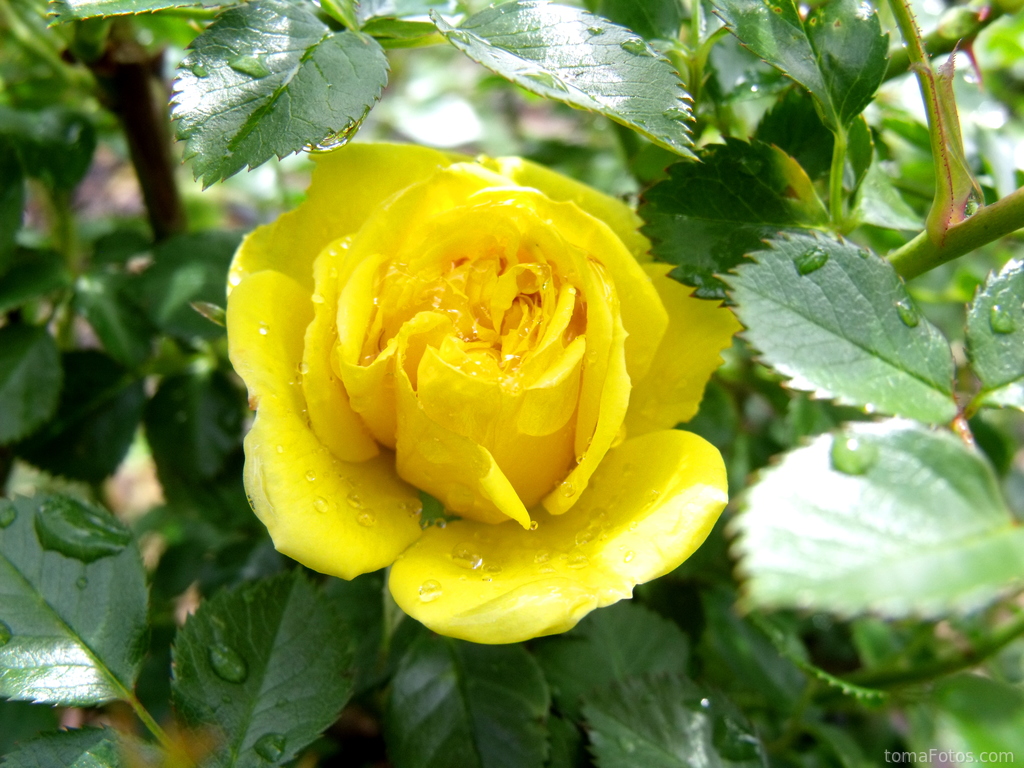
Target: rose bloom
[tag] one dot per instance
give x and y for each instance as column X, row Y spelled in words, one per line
column 496, row 335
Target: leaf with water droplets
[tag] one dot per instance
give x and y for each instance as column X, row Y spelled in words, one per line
column 455, row 703
column 706, row 216
column 842, row 330
column 276, row 80
column 837, row 51
column 268, row 665
column 551, row 50
column 73, row 597
column 886, row 517
column 72, row 10
column 995, row 337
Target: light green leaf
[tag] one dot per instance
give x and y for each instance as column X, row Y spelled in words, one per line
column 890, row 517
column 706, row 216
column 980, row 715
column 614, row 643
column 30, row 380
column 72, row 603
column 269, row 78
column 71, row 10
column 995, row 337
column 838, row 52
column 666, row 721
column 467, row 706
column 580, row 59
column 878, row 202
column 268, row 665
column 838, row 321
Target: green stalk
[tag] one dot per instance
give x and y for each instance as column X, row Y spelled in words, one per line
column 151, row 725
column 989, row 223
column 963, row 24
column 835, row 179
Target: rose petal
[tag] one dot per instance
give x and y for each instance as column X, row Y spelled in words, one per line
column 651, row 503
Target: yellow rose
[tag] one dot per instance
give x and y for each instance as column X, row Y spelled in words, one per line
column 491, row 333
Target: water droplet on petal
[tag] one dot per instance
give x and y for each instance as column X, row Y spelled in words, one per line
column 811, row 260
column 8, row 512
column 852, row 456
column 264, row 329
column 366, row 518
column 634, row 45
column 270, row 746
column 578, row 560
column 317, row 298
column 584, row 537
column 534, row 525
column 5, row 634
column 280, row 449
column 430, row 590
column 310, row 475
column 320, row 504
column 354, row 501
column 75, row 530
column 567, row 488
column 542, row 557
column 908, row 312
column 249, row 65
column 227, row 663
column 1000, row 320
column 465, row 556
column 303, row 368
column 82, row 582
column 628, row 557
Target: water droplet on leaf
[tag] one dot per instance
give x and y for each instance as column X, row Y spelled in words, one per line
column 1000, row 320
column 430, row 590
column 270, row 746
column 459, row 36
column 545, row 80
column 852, row 456
column 75, row 530
column 227, row 663
column 908, row 313
column 811, row 260
column 249, row 65
column 634, row 45
column 81, row 582
column 8, row 512
column 596, row 30
column 199, row 70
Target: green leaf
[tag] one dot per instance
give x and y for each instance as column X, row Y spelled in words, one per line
column 85, row 748
column 838, row 321
column 32, row 276
column 399, row 9
column 838, row 52
column 995, row 337
column 12, row 200
column 30, row 380
column 193, row 423
column 614, row 643
column 23, row 720
column 268, row 78
column 706, row 216
column 55, row 144
column 981, row 714
column 580, row 59
column 467, row 706
column 76, row 624
column 105, row 299
column 566, row 744
column 188, row 269
column 653, row 19
column 72, row 10
column 100, row 408
column 666, row 721
column 878, row 202
column 361, row 604
column 267, row 664
column 889, row 517
column 793, row 125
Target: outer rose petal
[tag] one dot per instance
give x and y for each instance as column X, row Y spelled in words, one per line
column 697, row 333
column 652, row 502
column 314, row 505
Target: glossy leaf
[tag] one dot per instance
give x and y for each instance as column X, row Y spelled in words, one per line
column 77, row 625
column 666, row 721
column 268, row 78
column 838, row 52
column 99, row 410
column 995, row 337
column 889, row 517
column 72, row 10
column 399, row 9
column 793, row 125
column 838, row 322
column 105, row 300
column 614, row 643
column 30, row 380
column 652, row 19
column 577, row 58
column 704, row 220
column 474, row 706
column 268, row 665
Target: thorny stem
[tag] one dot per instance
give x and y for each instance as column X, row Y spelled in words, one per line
column 942, row 40
column 989, row 223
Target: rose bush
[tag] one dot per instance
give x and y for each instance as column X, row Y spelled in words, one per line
column 491, row 333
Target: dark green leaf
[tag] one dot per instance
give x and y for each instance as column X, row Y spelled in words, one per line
column 30, row 380
column 33, row 275
column 666, row 721
column 838, row 321
column 467, row 706
column 100, row 408
column 566, row 744
column 71, row 10
column 889, row 517
column 838, row 52
column 878, row 202
column 188, row 269
column 995, row 337
column 85, row 748
column 12, row 200
column 268, row 664
column 582, row 60
column 793, row 125
column 23, row 720
column 76, row 625
column 268, row 78
column 106, row 301
column 706, row 216
column 361, row 604
column 192, row 423
column 614, row 643
column 650, row 18
column 55, row 144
